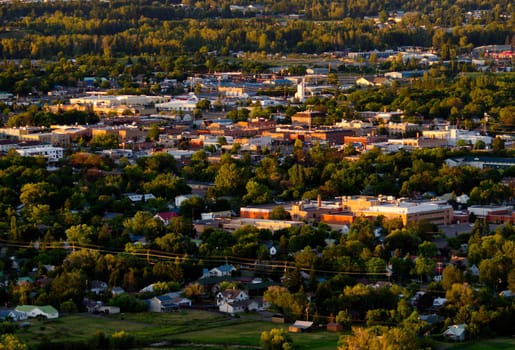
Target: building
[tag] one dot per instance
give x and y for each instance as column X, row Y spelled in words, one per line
column 231, row 296
column 186, row 103
column 168, row 302
column 482, row 162
column 272, row 225
column 46, row 311
column 306, row 118
column 300, row 326
column 50, row 152
column 220, row 271
column 455, row 332
column 124, row 133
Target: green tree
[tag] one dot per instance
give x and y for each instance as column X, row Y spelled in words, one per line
column 82, row 234
column 451, row 275
column 143, row 223
column 257, row 193
column 424, row 267
column 229, row 180
column 11, row 342
column 276, row 339
column 344, row 318
column 279, row 213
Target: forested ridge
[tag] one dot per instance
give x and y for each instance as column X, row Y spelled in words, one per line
column 68, row 29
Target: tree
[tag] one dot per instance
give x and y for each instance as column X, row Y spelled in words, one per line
column 451, row 275
column 424, row 266
column 479, row 144
column 82, row 234
column 122, row 340
column 194, row 291
column 153, row 132
column 498, row 144
column 192, row 207
column 257, row 193
column 229, row 180
column 69, row 286
column 276, row 339
column 107, row 141
column 279, row 213
column 344, row 318
column 11, row 342
column 427, row 249
column 143, row 223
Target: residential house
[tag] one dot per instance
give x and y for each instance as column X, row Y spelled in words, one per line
column 12, row 315
column 233, row 307
column 437, row 302
column 168, row 302
column 258, row 304
column 166, row 216
column 455, row 332
column 231, row 296
column 98, row 287
column 220, row 271
column 47, row 311
column 474, row 270
column 162, row 303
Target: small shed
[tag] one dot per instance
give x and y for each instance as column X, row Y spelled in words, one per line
column 300, row 326
column 278, row 318
column 334, row 327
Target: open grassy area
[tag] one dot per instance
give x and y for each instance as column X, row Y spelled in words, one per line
column 188, row 329
column 194, row 330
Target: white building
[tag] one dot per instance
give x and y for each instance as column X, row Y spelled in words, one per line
column 48, row 151
column 186, row 103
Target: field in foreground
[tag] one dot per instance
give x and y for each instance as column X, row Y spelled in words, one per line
column 194, row 330
column 185, row 330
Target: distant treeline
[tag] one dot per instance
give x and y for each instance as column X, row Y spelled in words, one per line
column 120, row 28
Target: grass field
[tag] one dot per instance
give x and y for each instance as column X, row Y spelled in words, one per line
column 189, row 330
column 194, row 330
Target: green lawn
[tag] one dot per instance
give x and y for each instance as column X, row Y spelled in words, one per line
column 194, row 330
column 199, row 329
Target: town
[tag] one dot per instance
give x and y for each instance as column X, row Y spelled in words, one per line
column 362, row 195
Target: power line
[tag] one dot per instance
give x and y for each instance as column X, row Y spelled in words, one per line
column 152, row 254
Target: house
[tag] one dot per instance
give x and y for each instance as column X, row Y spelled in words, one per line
column 98, row 287
column 162, row 303
column 12, row 315
column 258, row 304
column 231, row 296
column 166, row 216
column 47, row 311
column 168, row 302
column 365, row 81
column 117, row 291
column 233, row 307
column 455, row 332
column 474, row 270
column 300, row 326
column 437, row 302
column 220, row 271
